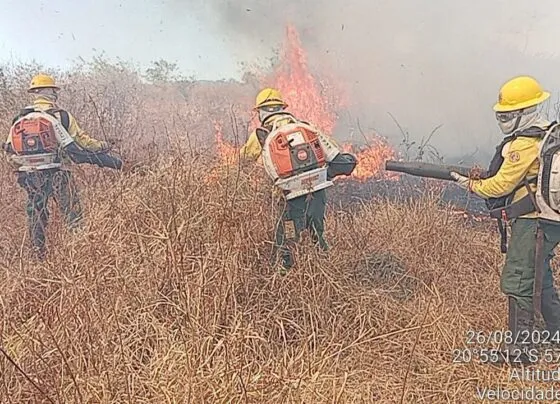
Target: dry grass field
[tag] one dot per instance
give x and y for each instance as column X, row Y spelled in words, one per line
column 167, row 296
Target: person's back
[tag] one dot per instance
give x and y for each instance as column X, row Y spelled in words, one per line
column 45, row 94
column 301, row 207
column 43, row 139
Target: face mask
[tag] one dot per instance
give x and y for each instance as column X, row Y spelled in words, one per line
column 509, row 122
column 265, row 112
column 49, row 94
column 508, row 127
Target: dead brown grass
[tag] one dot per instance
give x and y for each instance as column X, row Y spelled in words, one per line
column 167, row 295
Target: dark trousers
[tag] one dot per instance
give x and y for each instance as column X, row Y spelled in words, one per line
column 40, row 186
column 517, row 282
column 297, row 215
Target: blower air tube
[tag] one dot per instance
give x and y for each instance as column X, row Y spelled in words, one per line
column 101, row 159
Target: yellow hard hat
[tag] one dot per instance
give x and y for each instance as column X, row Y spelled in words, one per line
column 42, row 81
column 520, row 92
column 269, row 96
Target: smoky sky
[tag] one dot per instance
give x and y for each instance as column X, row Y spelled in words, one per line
column 427, row 63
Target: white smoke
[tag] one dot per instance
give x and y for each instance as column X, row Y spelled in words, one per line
column 428, row 63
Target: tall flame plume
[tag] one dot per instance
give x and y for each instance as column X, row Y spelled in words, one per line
column 318, row 102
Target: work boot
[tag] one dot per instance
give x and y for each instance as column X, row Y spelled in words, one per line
column 281, row 263
column 514, row 350
column 282, row 270
column 287, row 262
column 281, row 267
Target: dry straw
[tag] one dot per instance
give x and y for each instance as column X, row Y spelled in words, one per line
column 167, row 295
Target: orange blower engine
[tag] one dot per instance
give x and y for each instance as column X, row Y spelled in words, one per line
column 34, row 143
column 295, row 158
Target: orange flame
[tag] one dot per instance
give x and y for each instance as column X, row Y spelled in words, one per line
column 371, row 160
column 316, row 102
column 299, row 88
column 226, row 152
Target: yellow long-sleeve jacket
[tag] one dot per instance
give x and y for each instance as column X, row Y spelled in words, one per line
column 520, row 162
column 78, row 134
column 252, row 149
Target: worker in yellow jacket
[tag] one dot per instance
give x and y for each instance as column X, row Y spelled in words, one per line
column 509, row 190
column 269, row 105
column 52, row 179
column 302, row 212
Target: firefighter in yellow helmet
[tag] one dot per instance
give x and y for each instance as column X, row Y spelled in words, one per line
column 509, row 189
column 268, row 104
column 302, row 212
column 40, row 162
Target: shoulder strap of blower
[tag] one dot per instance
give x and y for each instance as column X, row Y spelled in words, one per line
column 503, row 209
column 263, row 131
column 282, row 116
column 64, row 116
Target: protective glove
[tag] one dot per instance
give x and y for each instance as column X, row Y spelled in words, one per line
column 107, row 145
column 461, row 180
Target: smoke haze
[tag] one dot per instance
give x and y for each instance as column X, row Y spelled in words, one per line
column 425, row 62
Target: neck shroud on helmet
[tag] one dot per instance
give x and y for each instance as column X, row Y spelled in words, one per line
column 516, row 109
column 265, row 112
column 269, row 101
column 47, row 94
